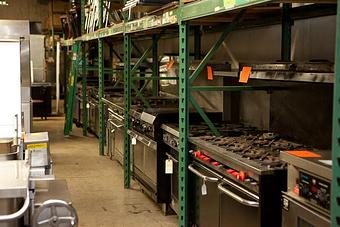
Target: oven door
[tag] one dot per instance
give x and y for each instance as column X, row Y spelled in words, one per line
column 205, row 201
column 173, row 155
column 114, row 135
column 92, row 115
column 238, row 206
column 145, row 161
column 296, row 214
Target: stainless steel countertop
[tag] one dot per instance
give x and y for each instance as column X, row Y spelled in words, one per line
column 14, row 178
column 312, row 165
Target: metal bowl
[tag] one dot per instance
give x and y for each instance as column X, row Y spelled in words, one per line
column 8, row 151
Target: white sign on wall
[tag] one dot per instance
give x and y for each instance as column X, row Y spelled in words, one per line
column 10, row 89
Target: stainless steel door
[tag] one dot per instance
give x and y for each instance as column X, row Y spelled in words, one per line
column 296, row 214
column 206, row 198
column 238, row 207
column 110, row 140
column 119, row 145
column 174, row 182
column 145, row 159
column 92, row 115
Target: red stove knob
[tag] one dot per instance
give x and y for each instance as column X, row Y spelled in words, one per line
column 230, row 171
column 235, row 174
column 207, row 159
column 241, row 176
column 197, row 154
column 216, row 163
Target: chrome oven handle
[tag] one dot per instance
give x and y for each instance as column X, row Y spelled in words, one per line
column 114, row 124
column 115, row 115
column 145, row 141
column 237, row 197
column 204, row 177
column 172, row 158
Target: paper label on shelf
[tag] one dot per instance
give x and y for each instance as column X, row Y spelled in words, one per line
column 204, row 189
column 229, row 3
column 245, row 74
column 210, row 73
column 326, row 162
column 169, row 167
column 133, row 141
column 304, row 154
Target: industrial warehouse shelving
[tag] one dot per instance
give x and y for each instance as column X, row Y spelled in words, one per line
column 180, row 18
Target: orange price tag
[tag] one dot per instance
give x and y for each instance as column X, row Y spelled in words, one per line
column 170, row 64
column 210, row 73
column 304, row 154
column 245, row 73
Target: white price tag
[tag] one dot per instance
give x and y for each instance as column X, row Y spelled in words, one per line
column 204, row 189
column 133, row 141
column 169, row 166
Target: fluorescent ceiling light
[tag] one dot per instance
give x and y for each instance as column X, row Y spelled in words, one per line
column 3, row 3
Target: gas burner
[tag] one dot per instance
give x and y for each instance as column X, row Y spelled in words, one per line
column 262, row 148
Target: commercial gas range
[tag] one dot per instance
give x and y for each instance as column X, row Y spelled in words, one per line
column 148, row 149
column 234, row 178
column 115, row 123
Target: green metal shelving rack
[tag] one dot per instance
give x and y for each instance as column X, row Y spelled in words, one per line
column 181, row 17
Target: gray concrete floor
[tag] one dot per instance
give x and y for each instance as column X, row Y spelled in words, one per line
column 96, row 182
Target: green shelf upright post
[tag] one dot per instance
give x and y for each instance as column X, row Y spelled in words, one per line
column 155, row 65
column 101, row 83
column 183, row 124
column 335, row 192
column 84, row 71
column 71, row 88
column 127, row 105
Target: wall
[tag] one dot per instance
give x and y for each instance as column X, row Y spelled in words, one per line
column 32, row 10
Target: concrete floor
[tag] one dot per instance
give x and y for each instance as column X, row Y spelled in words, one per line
column 96, row 182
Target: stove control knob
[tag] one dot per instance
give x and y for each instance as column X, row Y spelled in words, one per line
column 173, row 143
column 241, row 176
column 144, row 127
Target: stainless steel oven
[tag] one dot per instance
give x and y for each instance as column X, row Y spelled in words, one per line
column 93, row 116
column 296, row 213
column 219, row 201
column 115, row 136
column 144, row 152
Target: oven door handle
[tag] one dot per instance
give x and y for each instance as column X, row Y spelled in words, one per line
column 115, row 115
column 172, row 158
column 146, row 142
column 114, row 124
column 199, row 174
column 237, row 197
